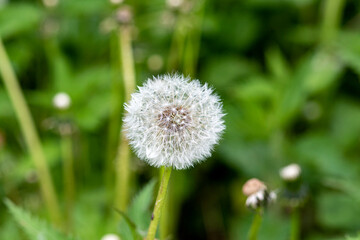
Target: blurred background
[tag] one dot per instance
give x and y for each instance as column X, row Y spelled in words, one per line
column 287, row 71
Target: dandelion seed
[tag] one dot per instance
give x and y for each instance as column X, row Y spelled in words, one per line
column 190, row 113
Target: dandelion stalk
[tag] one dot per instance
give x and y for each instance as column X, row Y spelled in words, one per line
column 123, row 155
column 255, row 226
column 68, row 172
column 331, row 19
column 31, row 137
column 159, row 203
column 295, row 224
column 115, row 116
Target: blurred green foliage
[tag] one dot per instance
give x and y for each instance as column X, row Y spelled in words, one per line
column 289, row 96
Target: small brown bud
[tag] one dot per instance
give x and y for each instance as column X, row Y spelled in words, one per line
column 252, row 186
column 124, row 15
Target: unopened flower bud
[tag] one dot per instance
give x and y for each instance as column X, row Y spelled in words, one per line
column 290, row 172
column 252, row 186
column 258, row 195
column 124, row 15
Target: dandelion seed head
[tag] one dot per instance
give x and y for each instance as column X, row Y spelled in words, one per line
column 172, row 121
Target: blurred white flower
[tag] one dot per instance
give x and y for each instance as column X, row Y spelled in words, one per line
column 174, row 3
column 290, row 172
column 260, row 198
column 172, row 121
column 110, row 236
column 61, row 101
column 254, row 200
column 50, row 3
column 116, row 1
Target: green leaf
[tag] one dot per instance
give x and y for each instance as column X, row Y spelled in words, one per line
column 349, row 50
column 137, row 219
column 34, row 227
column 337, row 210
column 139, row 208
column 17, row 18
column 353, row 238
column 131, row 225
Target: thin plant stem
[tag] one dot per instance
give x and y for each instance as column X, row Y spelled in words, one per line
column 127, row 60
column 255, row 226
column 122, row 174
column 192, row 47
column 32, row 139
column 177, row 46
column 159, row 203
column 332, row 13
column 295, row 224
column 164, row 224
column 69, row 178
column 115, row 116
column 123, row 155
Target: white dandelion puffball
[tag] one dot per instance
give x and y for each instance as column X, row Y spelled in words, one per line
column 290, row 172
column 173, row 122
column 62, row 101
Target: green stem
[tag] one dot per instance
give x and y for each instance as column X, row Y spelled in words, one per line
column 127, row 61
column 177, row 46
column 331, row 19
column 69, row 178
column 114, row 118
column 164, row 225
column 31, row 137
column 159, row 203
column 123, row 155
column 123, row 174
column 192, row 47
column 255, row 226
column 295, row 224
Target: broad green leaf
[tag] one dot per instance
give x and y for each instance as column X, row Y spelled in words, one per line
column 256, row 88
column 349, row 49
column 345, row 124
column 353, row 238
column 277, row 63
column 338, row 210
column 322, row 70
column 319, row 150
